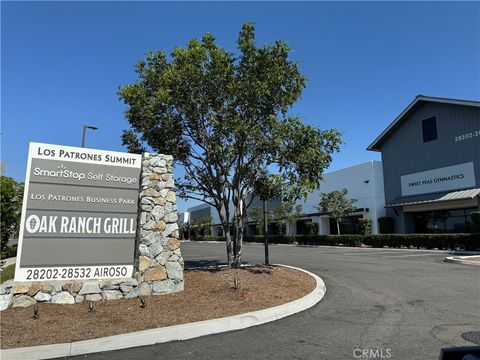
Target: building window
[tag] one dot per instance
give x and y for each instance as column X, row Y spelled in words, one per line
column 348, row 225
column 429, row 128
column 444, row 221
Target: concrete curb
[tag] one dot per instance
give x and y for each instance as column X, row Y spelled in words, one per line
column 171, row 333
column 461, row 260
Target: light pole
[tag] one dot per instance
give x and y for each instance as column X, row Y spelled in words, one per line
column 85, row 127
column 265, row 231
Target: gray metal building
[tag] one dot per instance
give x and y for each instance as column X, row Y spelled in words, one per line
column 431, row 165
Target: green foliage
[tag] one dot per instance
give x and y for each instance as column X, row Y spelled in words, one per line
column 419, row 241
column 256, row 215
column 386, row 224
column 7, row 273
column 224, row 118
column 285, row 212
column 203, row 224
column 337, row 205
column 427, row 241
column 311, row 228
column 184, row 230
column 365, row 226
column 10, row 251
column 11, row 196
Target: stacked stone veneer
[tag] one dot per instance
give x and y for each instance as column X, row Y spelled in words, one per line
column 160, row 262
column 158, row 265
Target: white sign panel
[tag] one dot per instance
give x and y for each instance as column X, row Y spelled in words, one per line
column 79, row 214
column 448, row 178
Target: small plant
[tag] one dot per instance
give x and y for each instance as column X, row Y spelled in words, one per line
column 365, row 226
column 235, row 282
column 36, row 312
column 91, row 306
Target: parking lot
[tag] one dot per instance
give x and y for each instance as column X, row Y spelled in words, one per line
column 401, row 304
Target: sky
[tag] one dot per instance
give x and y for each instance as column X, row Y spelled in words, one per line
column 63, row 62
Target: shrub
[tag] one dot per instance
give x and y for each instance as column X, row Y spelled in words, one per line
column 209, row 238
column 274, row 239
column 342, row 240
column 311, row 228
column 419, row 241
column 385, row 224
column 427, row 241
column 7, row 273
column 365, row 226
column 9, row 251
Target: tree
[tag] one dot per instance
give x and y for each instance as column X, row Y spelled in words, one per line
column 224, row 118
column 11, row 208
column 202, row 224
column 287, row 212
column 185, row 230
column 256, row 215
column 337, row 205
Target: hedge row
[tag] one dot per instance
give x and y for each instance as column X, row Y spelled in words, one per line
column 419, row 241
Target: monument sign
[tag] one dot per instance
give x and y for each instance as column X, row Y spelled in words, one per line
column 79, row 215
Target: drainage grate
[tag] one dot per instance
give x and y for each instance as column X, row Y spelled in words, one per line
column 472, row 336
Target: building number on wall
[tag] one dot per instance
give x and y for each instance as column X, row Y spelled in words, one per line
column 467, row 135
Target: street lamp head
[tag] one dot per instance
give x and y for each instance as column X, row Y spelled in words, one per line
column 85, row 127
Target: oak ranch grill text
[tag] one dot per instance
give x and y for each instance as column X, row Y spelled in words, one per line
column 79, row 225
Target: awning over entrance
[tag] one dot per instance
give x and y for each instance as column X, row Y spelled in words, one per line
column 434, row 197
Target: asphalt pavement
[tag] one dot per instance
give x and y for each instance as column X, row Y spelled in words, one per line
column 380, row 303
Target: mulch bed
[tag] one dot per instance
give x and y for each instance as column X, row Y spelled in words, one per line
column 208, row 294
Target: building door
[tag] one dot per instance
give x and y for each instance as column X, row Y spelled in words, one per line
column 421, row 223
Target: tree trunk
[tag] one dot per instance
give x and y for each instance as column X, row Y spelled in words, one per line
column 238, row 220
column 224, row 215
column 237, row 254
column 238, row 241
column 338, row 227
column 226, row 230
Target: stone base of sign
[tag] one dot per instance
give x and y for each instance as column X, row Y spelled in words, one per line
column 72, row 292
column 159, row 263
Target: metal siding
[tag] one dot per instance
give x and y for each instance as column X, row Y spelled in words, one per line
column 405, row 152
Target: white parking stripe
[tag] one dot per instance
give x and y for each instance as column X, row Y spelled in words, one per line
column 388, row 257
column 372, row 253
